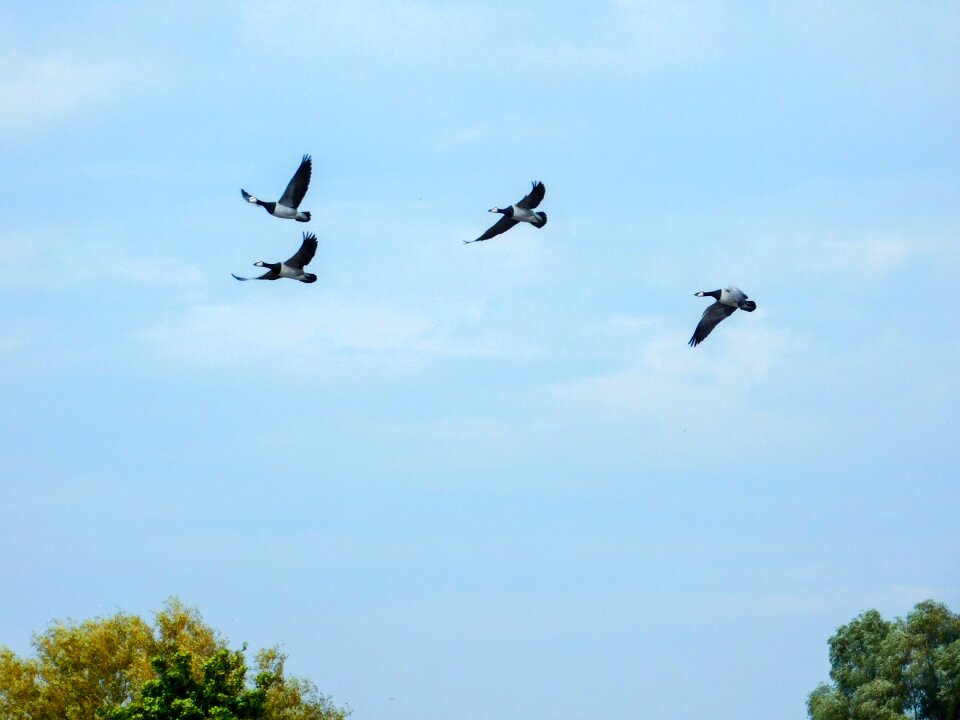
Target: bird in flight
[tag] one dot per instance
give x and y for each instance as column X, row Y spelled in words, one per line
column 292, row 268
column 286, row 206
column 522, row 211
column 727, row 302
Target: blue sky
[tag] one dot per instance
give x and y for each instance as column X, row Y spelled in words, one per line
column 487, row 480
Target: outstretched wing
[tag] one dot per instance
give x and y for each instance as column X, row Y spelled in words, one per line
column 306, row 252
column 711, row 318
column 534, row 197
column 270, row 275
column 297, row 187
column 500, row 226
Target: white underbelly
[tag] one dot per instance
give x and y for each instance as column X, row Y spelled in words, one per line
column 289, row 272
column 729, row 298
column 282, row 211
column 523, row 214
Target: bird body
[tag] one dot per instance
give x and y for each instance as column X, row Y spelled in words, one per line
column 292, row 268
column 522, row 214
column 732, row 296
column 286, row 213
column 287, row 207
column 727, row 301
column 522, row 211
column 281, row 270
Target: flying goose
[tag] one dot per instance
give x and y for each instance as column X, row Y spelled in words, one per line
column 286, row 206
column 292, row 268
column 521, row 212
column 727, row 301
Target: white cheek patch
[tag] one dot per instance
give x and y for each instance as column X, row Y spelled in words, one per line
column 252, row 200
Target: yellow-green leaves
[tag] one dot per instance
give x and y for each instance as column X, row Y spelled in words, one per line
column 122, row 663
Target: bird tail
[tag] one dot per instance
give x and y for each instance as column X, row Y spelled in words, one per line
column 749, row 306
column 305, row 217
column 308, row 278
column 541, row 220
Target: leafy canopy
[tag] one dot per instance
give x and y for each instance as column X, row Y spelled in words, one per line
column 177, row 693
column 893, row 669
column 178, row 668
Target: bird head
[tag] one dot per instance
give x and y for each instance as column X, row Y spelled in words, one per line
column 260, row 263
column 495, row 209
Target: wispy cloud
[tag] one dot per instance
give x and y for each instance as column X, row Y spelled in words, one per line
column 632, row 322
column 875, row 256
column 464, row 136
column 12, row 343
column 672, row 382
column 844, row 599
column 367, row 26
column 641, row 36
column 305, row 331
column 75, row 263
column 37, row 90
column 869, row 255
column 627, row 35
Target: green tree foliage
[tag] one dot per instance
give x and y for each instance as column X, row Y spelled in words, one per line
column 124, row 668
column 893, row 669
column 218, row 691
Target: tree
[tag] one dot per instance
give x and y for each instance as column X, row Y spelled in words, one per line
column 119, row 663
column 178, row 693
column 893, row 670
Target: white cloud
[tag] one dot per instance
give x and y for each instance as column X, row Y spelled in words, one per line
column 75, row 262
column 644, row 35
column 154, row 271
column 220, row 332
column 627, row 36
column 368, row 27
column 843, row 599
column 11, row 344
column 464, row 136
column 876, row 256
column 676, row 383
column 632, row 322
column 306, row 330
column 868, row 255
column 33, row 90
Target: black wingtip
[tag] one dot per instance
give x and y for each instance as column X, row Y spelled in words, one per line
column 306, row 159
column 237, row 277
column 309, row 236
